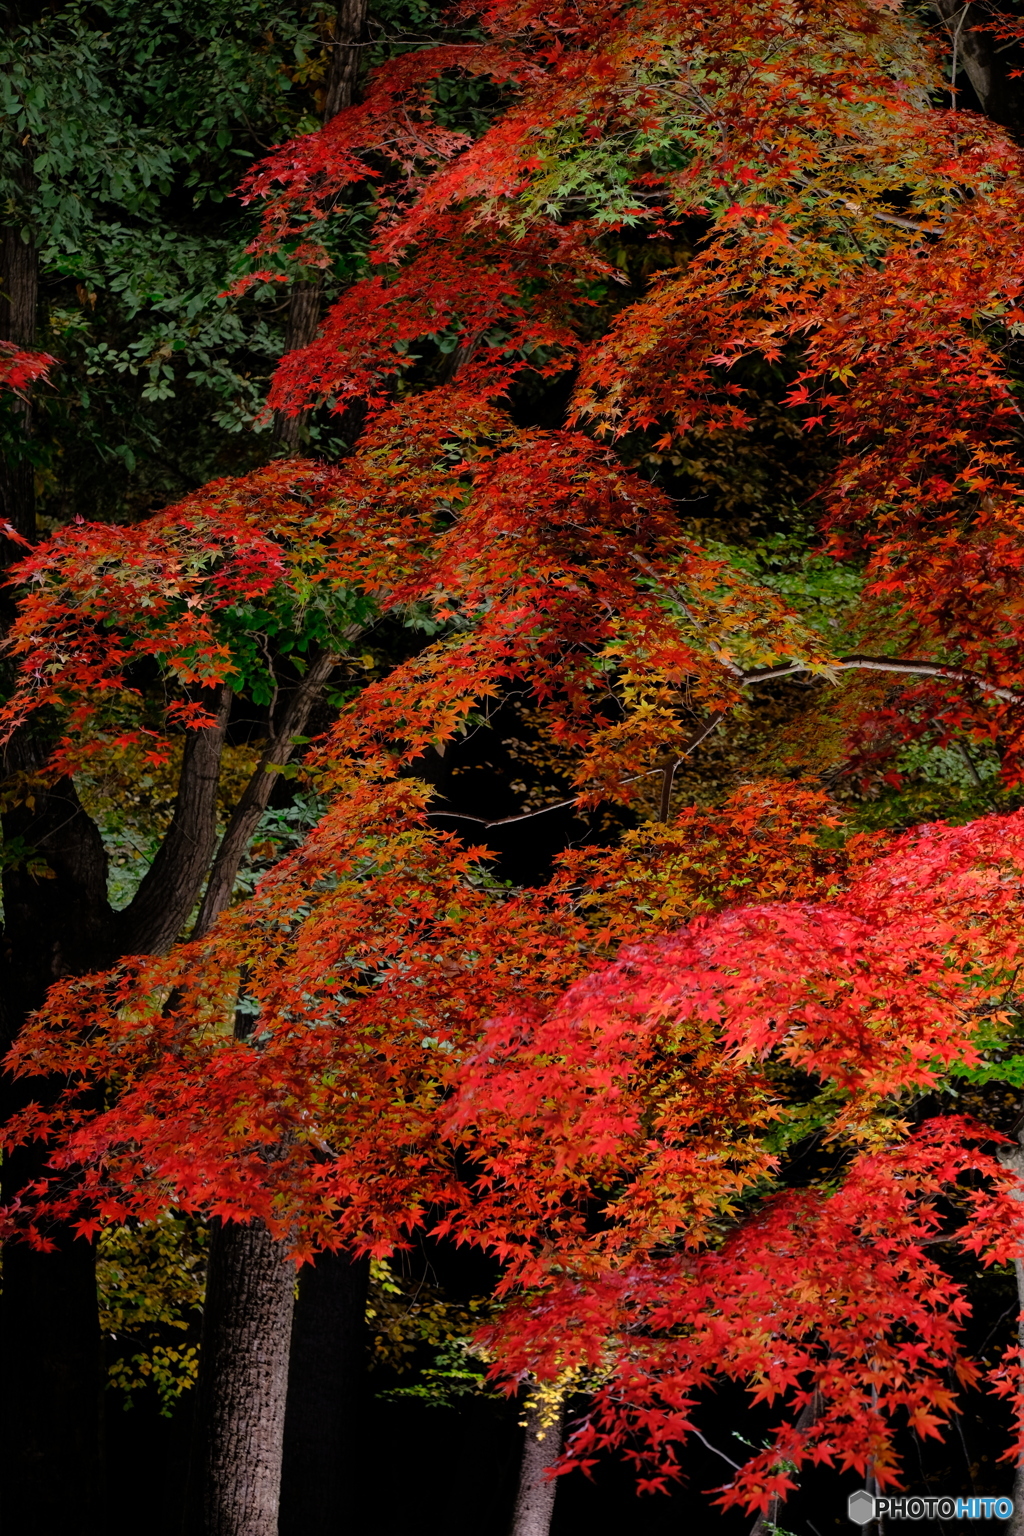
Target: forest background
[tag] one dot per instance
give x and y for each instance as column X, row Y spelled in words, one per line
column 583, row 367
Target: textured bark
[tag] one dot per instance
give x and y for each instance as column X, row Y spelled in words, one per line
column 235, row 1471
column 347, row 33
column 320, row 1483
column 153, row 920
column 19, row 286
column 300, row 330
column 535, row 1498
column 50, row 1406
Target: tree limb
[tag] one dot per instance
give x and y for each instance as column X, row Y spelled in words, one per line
column 153, row 920
column 907, row 666
column 256, row 795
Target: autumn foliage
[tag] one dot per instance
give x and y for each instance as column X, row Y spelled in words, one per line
column 596, row 1079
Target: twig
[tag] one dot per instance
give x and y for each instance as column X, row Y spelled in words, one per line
column 714, row 1448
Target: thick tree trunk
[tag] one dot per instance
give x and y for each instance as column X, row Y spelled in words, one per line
column 535, row 1499
column 56, row 923
column 235, row 1470
column 320, row 1487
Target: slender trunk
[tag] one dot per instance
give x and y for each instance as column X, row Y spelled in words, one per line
column 326, row 1399
column 235, row 1469
column 163, row 901
column 535, row 1499
column 256, row 796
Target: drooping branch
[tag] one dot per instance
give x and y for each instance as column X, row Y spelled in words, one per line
column 256, row 796
column 153, row 920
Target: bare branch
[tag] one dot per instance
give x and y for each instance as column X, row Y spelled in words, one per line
column 562, row 805
column 669, row 771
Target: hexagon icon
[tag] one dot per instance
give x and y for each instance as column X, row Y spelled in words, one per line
column 860, row 1507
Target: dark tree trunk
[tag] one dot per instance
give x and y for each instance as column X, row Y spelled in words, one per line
column 235, row 1470
column 56, row 923
column 348, row 32
column 320, row 1488
column 346, row 39
column 53, row 1391
column 19, row 287
column 535, row 1499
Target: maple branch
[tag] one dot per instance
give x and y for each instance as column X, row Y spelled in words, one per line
column 899, row 664
column 504, row 821
column 669, row 772
column 720, row 655
column 256, row 795
column 697, row 1435
column 152, row 921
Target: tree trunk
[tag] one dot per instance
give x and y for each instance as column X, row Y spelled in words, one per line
column 326, row 1399
column 235, row 1469
column 535, row 1499
column 56, row 923
column 161, row 905
column 19, row 286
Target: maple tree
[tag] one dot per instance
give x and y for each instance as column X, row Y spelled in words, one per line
column 595, row 1078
